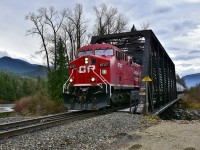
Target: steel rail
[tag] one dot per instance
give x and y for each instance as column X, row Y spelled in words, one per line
column 40, row 126
column 51, row 122
column 32, row 121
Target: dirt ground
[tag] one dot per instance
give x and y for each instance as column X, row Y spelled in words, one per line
column 167, row 135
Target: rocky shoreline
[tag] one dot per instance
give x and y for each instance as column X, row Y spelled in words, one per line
column 180, row 114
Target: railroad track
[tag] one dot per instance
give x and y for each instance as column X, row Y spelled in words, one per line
column 30, row 125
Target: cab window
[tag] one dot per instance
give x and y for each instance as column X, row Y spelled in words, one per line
column 105, row 52
column 84, row 53
column 119, row 55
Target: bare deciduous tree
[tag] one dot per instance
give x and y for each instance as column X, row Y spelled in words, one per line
column 69, row 33
column 145, row 25
column 47, row 24
column 75, row 28
column 39, row 29
column 54, row 20
column 108, row 20
column 71, row 26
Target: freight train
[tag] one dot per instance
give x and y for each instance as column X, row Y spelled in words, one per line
column 101, row 75
column 180, row 88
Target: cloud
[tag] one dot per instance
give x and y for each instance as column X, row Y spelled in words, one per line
column 182, row 25
column 194, row 52
column 3, row 53
column 189, row 40
column 185, row 57
column 185, row 65
column 173, row 48
column 162, row 10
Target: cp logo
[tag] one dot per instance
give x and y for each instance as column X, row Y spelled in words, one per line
column 84, row 69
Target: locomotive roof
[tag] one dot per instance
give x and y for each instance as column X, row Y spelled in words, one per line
column 97, row 46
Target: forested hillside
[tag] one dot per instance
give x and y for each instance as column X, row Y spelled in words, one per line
column 14, row 86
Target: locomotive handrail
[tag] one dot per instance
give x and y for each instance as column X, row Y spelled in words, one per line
column 106, row 84
column 64, row 85
column 102, row 79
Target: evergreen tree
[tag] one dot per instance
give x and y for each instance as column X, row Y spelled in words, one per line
column 59, row 76
column 2, row 88
column 14, row 86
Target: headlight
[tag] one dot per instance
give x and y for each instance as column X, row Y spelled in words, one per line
column 92, row 79
column 71, row 80
column 86, row 60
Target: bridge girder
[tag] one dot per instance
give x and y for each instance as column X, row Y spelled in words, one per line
column 147, row 50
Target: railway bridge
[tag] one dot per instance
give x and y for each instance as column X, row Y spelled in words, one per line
column 156, row 64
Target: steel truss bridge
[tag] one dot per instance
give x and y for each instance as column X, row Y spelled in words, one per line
column 156, row 64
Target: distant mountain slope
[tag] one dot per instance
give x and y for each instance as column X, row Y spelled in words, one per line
column 22, row 67
column 192, row 79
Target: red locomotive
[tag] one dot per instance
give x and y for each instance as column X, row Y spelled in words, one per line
column 101, row 75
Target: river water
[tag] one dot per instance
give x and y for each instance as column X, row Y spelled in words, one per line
column 6, row 107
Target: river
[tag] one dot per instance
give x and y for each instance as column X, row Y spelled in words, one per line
column 6, row 107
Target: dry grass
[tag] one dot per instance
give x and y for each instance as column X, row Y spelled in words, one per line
column 152, row 120
column 191, row 99
column 190, row 102
column 38, row 105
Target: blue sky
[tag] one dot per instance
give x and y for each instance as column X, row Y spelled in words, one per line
column 176, row 24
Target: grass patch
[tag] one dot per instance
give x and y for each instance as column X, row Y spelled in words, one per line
column 6, row 114
column 5, row 102
column 152, row 120
column 38, row 105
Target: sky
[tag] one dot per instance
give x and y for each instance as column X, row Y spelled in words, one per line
column 176, row 23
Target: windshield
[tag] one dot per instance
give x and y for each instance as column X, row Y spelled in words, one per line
column 84, row 53
column 106, row 52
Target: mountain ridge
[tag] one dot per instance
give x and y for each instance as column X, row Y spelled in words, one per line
column 192, row 80
column 22, row 67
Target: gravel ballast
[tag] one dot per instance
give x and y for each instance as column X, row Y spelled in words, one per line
column 104, row 132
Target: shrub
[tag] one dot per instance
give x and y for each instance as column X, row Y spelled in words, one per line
column 38, row 104
column 191, row 99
